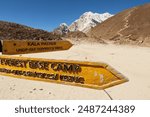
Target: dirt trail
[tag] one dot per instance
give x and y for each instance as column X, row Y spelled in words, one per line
column 126, row 19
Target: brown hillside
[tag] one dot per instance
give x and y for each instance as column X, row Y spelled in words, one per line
column 75, row 34
column 80, row 37
column 131, row 26
column 16, row 31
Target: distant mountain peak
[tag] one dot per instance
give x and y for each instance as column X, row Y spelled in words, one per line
column 62, row 29
column 63, row 24
column 88, row 20
column 88, row 13
column 85, row 22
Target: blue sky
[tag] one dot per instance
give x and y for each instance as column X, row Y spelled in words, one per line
column 48, row 14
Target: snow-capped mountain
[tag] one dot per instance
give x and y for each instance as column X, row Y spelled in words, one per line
column 88, row 20
column 62, row 29
column 84, row 23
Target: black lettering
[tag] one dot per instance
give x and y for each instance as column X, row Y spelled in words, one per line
column 33, row 65
column 80, row 80
column 68, row 67
column 59, row 67
column 21, row 50
column 33, row 43
column 77, row 68
column 16, row 110
column 14, row 62
column 52, row 76
column 29, row 43
column 67, row 109
column 39, row 65
column 48, row 43
column 54, row 66
column 65, row 67
column 76, row 79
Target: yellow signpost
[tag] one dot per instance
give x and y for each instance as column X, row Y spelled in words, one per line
column 84, row 74
column 11, row 47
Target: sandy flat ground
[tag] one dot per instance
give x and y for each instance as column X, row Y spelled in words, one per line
column 133, row 62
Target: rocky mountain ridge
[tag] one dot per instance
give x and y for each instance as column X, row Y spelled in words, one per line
column 10, row 30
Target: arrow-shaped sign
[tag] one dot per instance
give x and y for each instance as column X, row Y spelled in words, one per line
column 25, row 46
column 84, row 74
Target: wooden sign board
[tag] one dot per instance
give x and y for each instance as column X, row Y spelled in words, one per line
column 11, row 47
column 84, row 74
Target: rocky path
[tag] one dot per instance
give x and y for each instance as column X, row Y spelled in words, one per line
column 126, row 19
